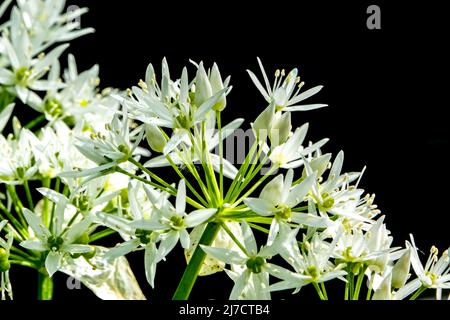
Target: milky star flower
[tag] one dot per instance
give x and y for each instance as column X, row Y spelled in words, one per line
column 278, row 198
column 80, row 100
column 174, row 104
column 173, row 222
column 312, row 264
column 188, row 153
column 17, row 161
column 436, row 272
column 58, row 242
column 143, row 202
column 283, row 92
column 290, row 153
column 251, row 275
column 47, row 22
column 23, row 76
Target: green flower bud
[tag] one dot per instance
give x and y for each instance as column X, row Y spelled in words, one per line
column 155, row 138
column 400, row 271
column 203, row 90
column 4, row 260
column 280, row 129
column 90, row 254
column 263, row 122
column 216, row 85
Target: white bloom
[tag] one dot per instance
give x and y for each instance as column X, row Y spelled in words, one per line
column 436, row 272
column 290, row 154
column 186, row 153
column 311, row 265
column 25, row 72
column 279, row 197
column 48, row 23
column 59, row 241
column 251, row 278
column 17, row 161
column 282, row 93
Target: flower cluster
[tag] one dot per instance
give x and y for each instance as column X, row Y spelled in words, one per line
column 87, row 167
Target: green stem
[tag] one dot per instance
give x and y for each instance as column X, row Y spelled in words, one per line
column 418, row 293
column 28, row 193
column 219, row 126
column 14, row 223
column 359, row 282
column 101, row 234
column 18, row 206
column 233, row 237
column 256, row 185
column 23, row 263
column 155, row 185
column 181, row 175
column 324, row 290
column 45, row 287
column 195, row 264
column 319, row 292
column 241, row 171
column 45, row 212
column 369, row 291
column 30, row 125
column 151, row 174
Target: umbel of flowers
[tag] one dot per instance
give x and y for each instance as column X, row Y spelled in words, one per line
column 88, row 166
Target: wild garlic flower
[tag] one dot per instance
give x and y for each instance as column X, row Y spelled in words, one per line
column 290, row 154
column 17, row 160
column 80, row 100
column 58, row 242
column 23, row 75
column 278, row 198
column 47, row 22
column 116, row 146
column 285, row 92
column 178, row 105
column 312, row 263
column 250, row 269
column 371, row 248
column 436, row 272
column 143, row 200
column 5, row 265
column 206, row 142
column 172, row 222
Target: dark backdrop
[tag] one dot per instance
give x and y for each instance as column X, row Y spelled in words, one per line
column 387, row 101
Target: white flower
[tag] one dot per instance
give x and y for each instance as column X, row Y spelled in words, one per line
column 17, row 161
column 251, row 278
column 436, row 272
column 59, row 241
column 278, row 198
column 312, row 265
column 174, row 104
column 80, row 100
column 48, row 23
column 117, row 146
column 282, row 93
column 290, row 154
column 25, row 72
column 173, row 221
column 186, row 153
column 5, row 246
column 142, row 202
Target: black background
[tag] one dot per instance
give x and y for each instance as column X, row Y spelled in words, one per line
column 387, row 91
